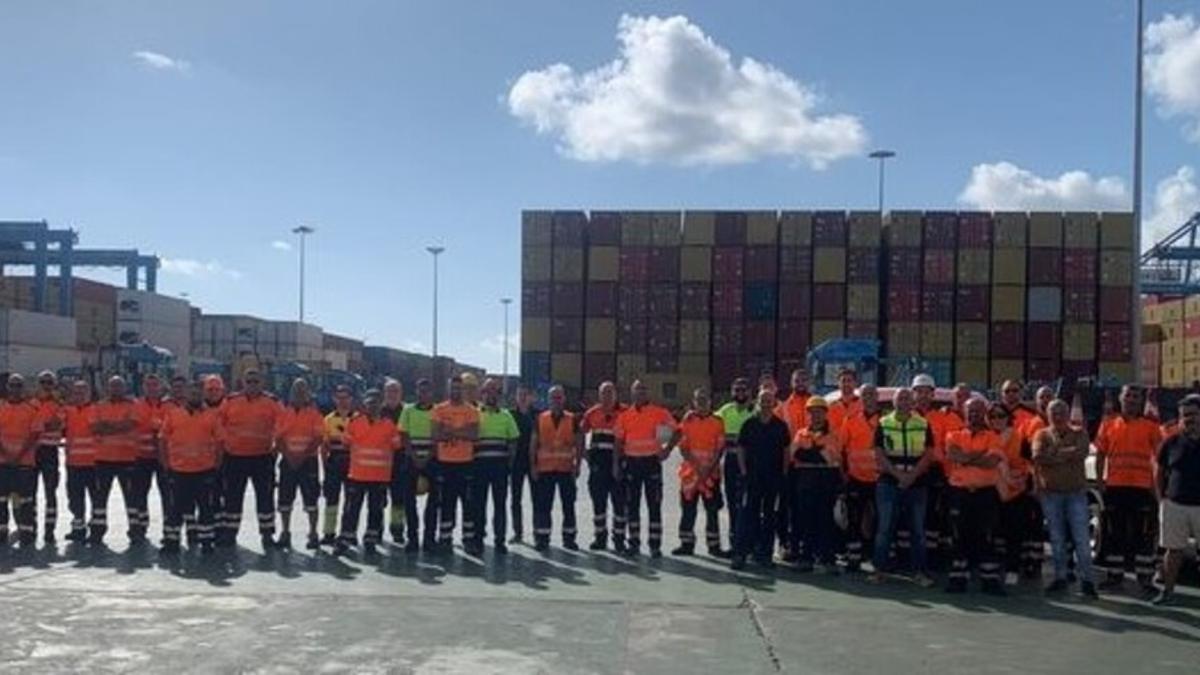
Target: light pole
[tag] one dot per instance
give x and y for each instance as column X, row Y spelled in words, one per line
column 506, row 302
column 1137, row 192
column 436, row 251
column 883, row 156
column 303, row 231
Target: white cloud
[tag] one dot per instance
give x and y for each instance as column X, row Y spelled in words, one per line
column 281, row 245
column 1173, row 69
column 198, row 269
column 158, row 61
column 495, row 343
column 1006, row 186
column 673, row 95
column 1176, row 198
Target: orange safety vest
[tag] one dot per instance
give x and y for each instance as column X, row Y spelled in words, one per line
column 858, row 445
column 842, row 410
column 704, row 437
column 556, row 449
column 1129, row 446
column 1019, row 468
column 80, row 441
column 192, row 439
column 373, row 448
column 795, row 412
column 601, row 426
column 248, row 425
column 49, row 409
column 121, row 447
column 807, row 441
column 942, row 422
column 456, row 417
column 18, row 424
column 1020, row 415
column 973, row 477
column 297, row 430
column 640, row 429
column 152, row 414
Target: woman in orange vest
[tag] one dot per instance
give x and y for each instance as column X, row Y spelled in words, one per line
column 816, row 470
column 700, row 439
column 81, row 458
column 555, row 466
column 974, row 459
column 191, row 442
column 372, row 440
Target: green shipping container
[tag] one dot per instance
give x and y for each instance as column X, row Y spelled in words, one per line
column 699, row 228
column 937, row 340
column 762, row 228
column 971, row 340
column 600, row 336
column 904, row 339
column 1008, row 303
column 604, row 263
column 694, row 336
column 1079, row 341
column 1006, row 369
column 829, row 265
column 974, row 266
column 636, row 229
column 693, row 364
column 567, row 369
column 1081, row 229
column 972, row 371
column 827, row 330
column 1009, row 229
column 1008, row 266
column 666, row 228
column 535, row 335
column 862, row 302
column 865, row 229
column 1045, row 230
column 1116, row 231
column 695, row 263
column 1116, row 268
column 904, row 229
column 568, row 264
column 795, row 228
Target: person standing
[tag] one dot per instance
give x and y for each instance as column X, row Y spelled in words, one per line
column 700, row 438
column 526, row 417
column 248, row 421
column 816, row 469
column 555, row 466
column 599, row 424
column 117, row 420
column 1178, row 487
column 498, row 436
column 81, row 458
column 372, row 441
column 393, row 408
column 455, row 423
column 1020, row 518
column 298, row 436
column 151, row 410
column 19, row 434
column 762, row 455
column 643, row 431
column 904, row 450
column 942, row 421
column 734, row 414
column 416, row 433
column 796, row 416
column 973, row 464
column 336, row 459
column 862, row 474
column 50, row 411
column 1059, row 454
column 191, row 451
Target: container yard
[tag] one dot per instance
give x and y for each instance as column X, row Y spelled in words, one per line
column 693, row 298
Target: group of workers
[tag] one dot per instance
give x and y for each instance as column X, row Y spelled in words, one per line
column 835, row 481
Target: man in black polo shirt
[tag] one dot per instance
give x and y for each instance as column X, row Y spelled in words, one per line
column 526, row 416
column 1178, row 487
column 762, row 443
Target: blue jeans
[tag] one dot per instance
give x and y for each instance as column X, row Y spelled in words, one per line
column 1067, row 515
column 889, row 501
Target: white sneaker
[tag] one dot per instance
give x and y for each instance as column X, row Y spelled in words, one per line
column 1012, row 579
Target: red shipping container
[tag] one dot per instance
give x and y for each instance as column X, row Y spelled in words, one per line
column 1008, row 340
column 975, row 230
column 604, row 229
column 1045, row 266
column 664, row 264
column 727, row 337
column 631, row 337
column 1079, row 267
column 1079, row 304
column 974, row 303
column 829, row 228
column 725, row 369
column 633, row 302
column 730, row 228
column 761, row 263
column 829, row 301
column 695, row 301
column 904, row 266
column 569, row 227
column 904, row 302
column 939, row 266
column 599, row 368
column 795, row 337
column 758, row 365
column 662, row 336
column 567, row 299
column 937, row 303
column 758, row 337
column 1116, row 342
column 634, row 266
column 727, row 265
column 940, row 229
column 663, row 302
column 1191, row 328
column 1116, row 303
column 727, row 301
column 862, row 329
column 1075, row 370
column 795, row 301
column 662, row 363
column 1044, row 340
column 785, row 364
column 862, row 266
column 535, row 299
column 566, row 335
column 795, row 265
column 1044, row 370
column 601, row 299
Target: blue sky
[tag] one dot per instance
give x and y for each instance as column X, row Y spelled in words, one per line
column 205, row 133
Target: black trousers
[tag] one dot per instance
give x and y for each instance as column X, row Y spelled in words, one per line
column 396, row 494
column 712, row 519
column 303, row 478
column 973, row 516
column 644, row 475
column 192, row 506
column 455, row 482
column 20, row 481
column 937, row 527
column 734, row 487
column 1128, row 528
column 1021, row 535
column 786, row 517
column 491, row 476
column 337, row 467
column 604, row 490
column 47, row 468
column 814, row 492
column 123, row 474
column 518, row 478
column 756, row 518
column 413, row 518
column 861, row 514
column 260, row 471
column 81, row 488
column 144, row 471
column 376, row 496
column 543, row 506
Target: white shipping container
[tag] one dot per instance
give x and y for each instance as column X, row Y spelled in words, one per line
column 337, row 359
column 146, row 306
column 300, row 334
column 29, row 360
column 34, row 328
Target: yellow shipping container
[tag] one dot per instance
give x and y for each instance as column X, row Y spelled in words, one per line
column 862, row 302
column 1152, row 314
column 971, row 340
column 567, row 369
column 1079, row 341
column 1172, row 310
column 904, row 229
column 536, row 263
column 1006, row 369
column 1191, row 307
column 535, row 335
column 972, row 371
column 1191, row 349
column 1174, row 350
column 693, row 364
column 1116, row 231
column 937, row 340
column 974, row 265
column 1116, row 268
column 1191, row 372
column 1152, row 334
column 904, row 338
column 604, row 263
column 1172, row 330
column 695, row 263
column 1045, row 230
column 1008, row 266
column 600, row 336
column 762, row 228
column 865, row 229
column 1008, row 303
column 1081, row 229
column 699, row 228
column 1172, row 374
column 568, row 264
column 694, row 336
column 1009, row 229
column 795, row 228
column 635, row 228
column 827, row 330
column 829, row 265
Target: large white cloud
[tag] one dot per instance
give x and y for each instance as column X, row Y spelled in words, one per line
column 1173, row 69
column 1006, row 186
column 1176, row 198
column 673, row 95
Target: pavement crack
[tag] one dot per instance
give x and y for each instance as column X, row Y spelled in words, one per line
column 753, row 609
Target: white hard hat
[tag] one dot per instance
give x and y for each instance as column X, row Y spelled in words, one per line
column 923, row 380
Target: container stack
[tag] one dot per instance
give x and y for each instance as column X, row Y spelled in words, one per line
column 1044, row 302
column 829, row 276
column 728, row 297
column 662, row 301
column 633, row 290
column 760, row 292
column 1117, row 261
column 695, row 293
column 793, row 336
column 863, row 267
column 537, row 234
column 938, row 293
column 902, row 310
column 973, row 298
column 1081, row 233
column 568, row 250
column 1009, row 263
column 600, row 301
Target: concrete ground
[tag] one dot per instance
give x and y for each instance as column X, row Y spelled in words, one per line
column 85, row 610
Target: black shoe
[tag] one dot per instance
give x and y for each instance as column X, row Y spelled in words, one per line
column 956, row 587
column 541, row 546
column 329, row 540
column 27, row 541
column 313, row 543
column 655, row 553
column 737, row 562
column 340, row 549
column 804, row 566
column 225, row 542
column 995, row 588
column 193, row 539
column 720, row 553
column 284, row 542
column 500, row 548
column 473, row 549
column 206, row 549
column 397, row 535
column 517, row 538
column 76, row 536
column 1071, row 578
column 137, row 539
column 268, row 542
column 684, row 550
column 1057, row 586
column 619, row 546
column 95, row 539
column 4, row 537
column 1148, row 591
column 1112, row 582
column 570, row 545
column 598, row 544
column 1163, row 598
column 170, row 549
column 765, row 562
column 412, row 547
column 790, row 556
column 370, row 550
column 48, row 538
column 1089, row 590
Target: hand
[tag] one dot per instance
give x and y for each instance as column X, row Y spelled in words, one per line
column 906, row 481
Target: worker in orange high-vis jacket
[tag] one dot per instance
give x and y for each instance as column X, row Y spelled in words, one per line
column 815, row 461
column 190, row 445
column 79, row 416
column 1010, row 397
column 974, row 459
column 862, row 474
column 643, row 433
column 599, row 424
column 373, row 441
column 335, row 459
column 248, row 421
column 51, row 422
column 19, row 433
column 455, row 423
column 1020, row 539
column 554, row 466
column 795, row 413
column 152, row 407
column 299, row 433
column 1127, row 447
column 942, row 421
column 214, row 396
column 117, row 420
column 700, row 439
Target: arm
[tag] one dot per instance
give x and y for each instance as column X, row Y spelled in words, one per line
column 533, row 443
column 1160, row 472
column 670, row 445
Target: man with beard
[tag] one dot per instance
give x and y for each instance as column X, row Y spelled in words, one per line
column 734, row 414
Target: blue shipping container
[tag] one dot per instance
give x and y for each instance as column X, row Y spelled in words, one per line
column 760, row 301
